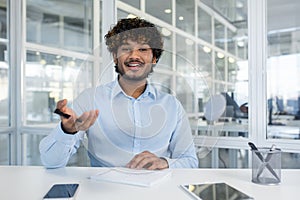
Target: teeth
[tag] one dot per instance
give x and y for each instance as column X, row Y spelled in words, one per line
column 134, row 64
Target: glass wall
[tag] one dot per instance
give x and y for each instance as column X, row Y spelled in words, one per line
column 4, row 149
column 49, row 78
column 4, row 86
column 67, row 25
column 283, row 69
column 4, row 66
column 283, row 81
column 58, row 47
column 203, row 54
column 61, row 55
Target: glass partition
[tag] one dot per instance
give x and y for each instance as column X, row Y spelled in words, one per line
column 134, row 3
column 4, row 149
column 66, row 25
column 160, row 9
column 283, row 69
column 49, row 78
column 4, row 66
column 220, row 36
column 185, row 15
column 204, row 25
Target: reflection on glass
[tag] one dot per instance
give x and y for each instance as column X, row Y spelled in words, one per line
column 4, row 149
column 66, row 25
column 185, row 15
column 49, row 78
column 185, row 56
column 160, row 9
column 204, row 25
column 283, row 91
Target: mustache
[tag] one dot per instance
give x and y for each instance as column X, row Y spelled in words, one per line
column 133, row 60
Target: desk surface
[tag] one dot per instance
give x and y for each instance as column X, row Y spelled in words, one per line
column 31, row 183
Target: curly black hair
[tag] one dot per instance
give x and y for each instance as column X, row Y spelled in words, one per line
column 135, row 29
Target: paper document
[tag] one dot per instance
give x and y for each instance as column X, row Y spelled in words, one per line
column 145, row 178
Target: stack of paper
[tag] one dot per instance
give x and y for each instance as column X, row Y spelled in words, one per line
column 144, row 178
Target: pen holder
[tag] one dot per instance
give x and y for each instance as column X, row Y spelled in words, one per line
column 266, row 166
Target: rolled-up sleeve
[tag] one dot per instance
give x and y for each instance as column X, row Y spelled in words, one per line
column 57, row 148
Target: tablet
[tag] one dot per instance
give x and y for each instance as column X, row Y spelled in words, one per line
column 209, row 191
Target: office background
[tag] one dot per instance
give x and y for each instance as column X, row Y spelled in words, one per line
column 247, row 50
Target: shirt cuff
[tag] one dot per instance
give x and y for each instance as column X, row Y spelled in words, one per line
column 63, row 137
column 166, row 159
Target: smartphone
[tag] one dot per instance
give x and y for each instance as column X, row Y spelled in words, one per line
column 62, row 191
column 210, row 191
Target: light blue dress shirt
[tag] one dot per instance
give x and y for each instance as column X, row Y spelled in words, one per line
column 126, row 126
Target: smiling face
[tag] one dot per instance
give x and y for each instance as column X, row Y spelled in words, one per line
column 134, row 60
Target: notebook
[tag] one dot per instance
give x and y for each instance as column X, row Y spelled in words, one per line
column 144, row 178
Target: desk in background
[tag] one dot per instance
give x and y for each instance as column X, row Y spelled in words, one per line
column 31, row 183
column 290, row 130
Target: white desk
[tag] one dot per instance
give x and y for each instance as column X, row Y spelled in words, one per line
column 31, row 183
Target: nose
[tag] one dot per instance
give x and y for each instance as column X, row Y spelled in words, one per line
column 134, row 53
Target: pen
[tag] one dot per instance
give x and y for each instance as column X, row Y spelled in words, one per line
column 268, row 158
column 261, row 158
column 65, row 115
column 60, row 113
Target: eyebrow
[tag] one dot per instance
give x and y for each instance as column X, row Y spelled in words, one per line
column 126, row 43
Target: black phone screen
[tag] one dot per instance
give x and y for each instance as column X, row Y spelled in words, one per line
column 62, row 191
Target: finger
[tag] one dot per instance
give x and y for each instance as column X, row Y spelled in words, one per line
column 138, row 158
column 61, row 104
column 146, row 162
column 159, row 163
column 86, row 120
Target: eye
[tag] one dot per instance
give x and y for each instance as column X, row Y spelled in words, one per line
column 144, row 49
column 125, row 49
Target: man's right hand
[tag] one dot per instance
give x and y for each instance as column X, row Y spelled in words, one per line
column 74, row 124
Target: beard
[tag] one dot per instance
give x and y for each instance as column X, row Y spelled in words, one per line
column 134, row 77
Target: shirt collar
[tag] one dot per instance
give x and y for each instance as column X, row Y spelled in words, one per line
column 116, row 90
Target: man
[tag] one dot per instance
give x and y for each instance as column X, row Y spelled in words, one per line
column 128, row 122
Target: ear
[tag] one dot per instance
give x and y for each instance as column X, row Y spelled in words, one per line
column 154, row 60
